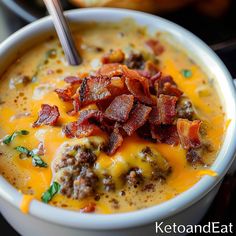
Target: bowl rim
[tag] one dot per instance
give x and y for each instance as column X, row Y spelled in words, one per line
column 148, row 215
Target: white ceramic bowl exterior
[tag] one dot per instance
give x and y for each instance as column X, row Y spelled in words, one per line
column 187, row 208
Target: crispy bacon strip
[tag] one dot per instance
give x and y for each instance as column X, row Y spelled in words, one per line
column 188, row 132
column 120, row 108
column 65, row 94
column 111, row 70
column 166, row 85
column 48, row 115
column 138, row 86
column 70, row 129
column 138, row 117
column 94, row 88
column 90, row 115
column 76, row 107
column 73, row 80
column 115, row 141
column 73, row 129
column 165, row 134
column 166, row 109
column 155, row 46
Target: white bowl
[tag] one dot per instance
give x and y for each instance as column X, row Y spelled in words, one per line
column 187, row 208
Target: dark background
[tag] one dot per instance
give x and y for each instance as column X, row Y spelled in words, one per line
column 218, row 32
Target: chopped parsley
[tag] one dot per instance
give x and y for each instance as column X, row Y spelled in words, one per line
column 186, row 73
column 36, row 159
column 50, row 54
column 10, row 138
column 53, row 189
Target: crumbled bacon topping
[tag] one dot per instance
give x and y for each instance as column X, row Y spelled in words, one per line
column 127, row 100
column 138, row 117
column 48, row 115
column 189, row 133
column 120, row 108
column 73, row 80
column 115, row 141
column 166, row 109
column 155, row 46
column 94, row 88
column 65, row 94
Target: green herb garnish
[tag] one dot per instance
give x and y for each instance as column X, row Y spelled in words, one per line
column 9, row 138
column 36, row 159
column 186, row 73
column 53, row 189
column 50, row 54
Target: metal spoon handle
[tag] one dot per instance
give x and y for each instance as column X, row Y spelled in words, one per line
column 55, row 10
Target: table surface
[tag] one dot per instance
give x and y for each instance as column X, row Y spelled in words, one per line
column 215, row 31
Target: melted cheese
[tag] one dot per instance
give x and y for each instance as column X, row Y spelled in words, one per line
column 25, row 203
column 33, row 181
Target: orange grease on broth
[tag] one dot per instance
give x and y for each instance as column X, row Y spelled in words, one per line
column 34, row 181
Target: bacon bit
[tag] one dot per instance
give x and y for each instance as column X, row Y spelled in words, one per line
column 111, row 70
column 76, row 107
column 86, row 129
column 166, row 85
column 154, row 78
column 138, row 117
column 89, row 208
column 154, row 116
column 144, row 73
column 94, row 88
column 73, row 129
column 47, row 116
column 114, row 56
column 138, row 86
column 90, row 115
column 155, row 46
column 115, row 141
column 151, row 68
column 65, row 94
column 165, row 134
column 40, row 150
column 73, row 80
column 120, row 108
column 117, row 87
column 188, row 132
column 166, row 109
column 145, row 133
column 70, row 129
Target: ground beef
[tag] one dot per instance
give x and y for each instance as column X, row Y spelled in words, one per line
column 108, row 183
column 85, row 184
column 134, row 177
column 160, row 167
column 185, row 109
column 74, row 171
column 135, row 61
column 193, row 156
column 85, row 157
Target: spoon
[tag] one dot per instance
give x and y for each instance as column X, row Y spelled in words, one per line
column 55, row 10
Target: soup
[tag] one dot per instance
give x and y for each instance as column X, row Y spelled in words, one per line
column 136, row 124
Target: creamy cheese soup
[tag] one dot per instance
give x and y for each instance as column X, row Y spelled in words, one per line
column 136, row 124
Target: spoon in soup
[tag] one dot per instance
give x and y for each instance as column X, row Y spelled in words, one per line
column 54, row 8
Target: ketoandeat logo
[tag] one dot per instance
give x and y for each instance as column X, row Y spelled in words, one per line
column 211, row 227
